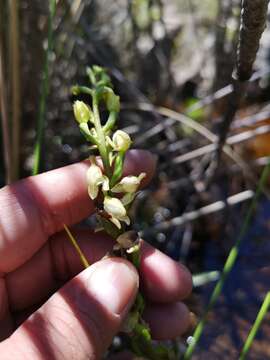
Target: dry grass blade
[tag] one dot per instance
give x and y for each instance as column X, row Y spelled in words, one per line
column 202, row 130
column 232, row 140
column 251, row 120
column 221, row 93
column 205, row 210
column 176, row 116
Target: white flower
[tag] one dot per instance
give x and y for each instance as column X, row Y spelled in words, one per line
column 121, row 141
column 95, row 178
column 114, row 207
column 82, row 112
column 128, row 184
column 116, row 210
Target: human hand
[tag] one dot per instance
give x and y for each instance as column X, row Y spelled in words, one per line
column 50, row 308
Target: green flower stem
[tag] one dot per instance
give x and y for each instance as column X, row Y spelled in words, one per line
column 261, row 315
column 118, row 168
column 101, row 137
column 91, row 75
column 227, row 267
column 81, row 89
column 86, row 133
column 110, row 122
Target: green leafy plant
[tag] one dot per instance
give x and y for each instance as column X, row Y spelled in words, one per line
column 112, row 193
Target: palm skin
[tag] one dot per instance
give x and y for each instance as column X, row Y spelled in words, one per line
column 50, row 308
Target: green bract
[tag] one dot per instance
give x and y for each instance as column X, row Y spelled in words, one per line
column 112, row 100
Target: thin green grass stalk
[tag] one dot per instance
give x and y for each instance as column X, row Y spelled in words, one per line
column 44, row 90
column 4, row 112
column 73, row 241
column 256, row 326
column 41, row 119
column 227, row 267
column 14, row 54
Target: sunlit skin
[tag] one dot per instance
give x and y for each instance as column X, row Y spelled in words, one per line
column 59, row 310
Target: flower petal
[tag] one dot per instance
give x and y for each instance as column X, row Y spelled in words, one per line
column 126, row 219
column 92, row 191
column 114, row 207
column 128, row 184
column 105, row 183
column 116, row 222
column 94, row 174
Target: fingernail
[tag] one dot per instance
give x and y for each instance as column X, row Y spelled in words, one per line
column 114, row 284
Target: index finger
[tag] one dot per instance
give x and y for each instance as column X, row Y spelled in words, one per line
column 36, row 207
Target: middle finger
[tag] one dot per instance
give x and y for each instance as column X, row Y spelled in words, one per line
column 163, row 280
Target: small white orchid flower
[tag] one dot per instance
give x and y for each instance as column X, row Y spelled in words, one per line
column 121, row 141
column 95, row 178
column 116, row 210
column 82, row 112
column 129, row 184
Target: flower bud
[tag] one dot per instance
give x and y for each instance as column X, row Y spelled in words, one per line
column 75, row 90
column 82, row 112
column 129, row 184
column 112, row 101
column 121, row 141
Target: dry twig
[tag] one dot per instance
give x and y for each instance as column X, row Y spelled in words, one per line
column 253, row 20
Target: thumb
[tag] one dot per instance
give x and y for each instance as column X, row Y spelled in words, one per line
column 80, row 320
